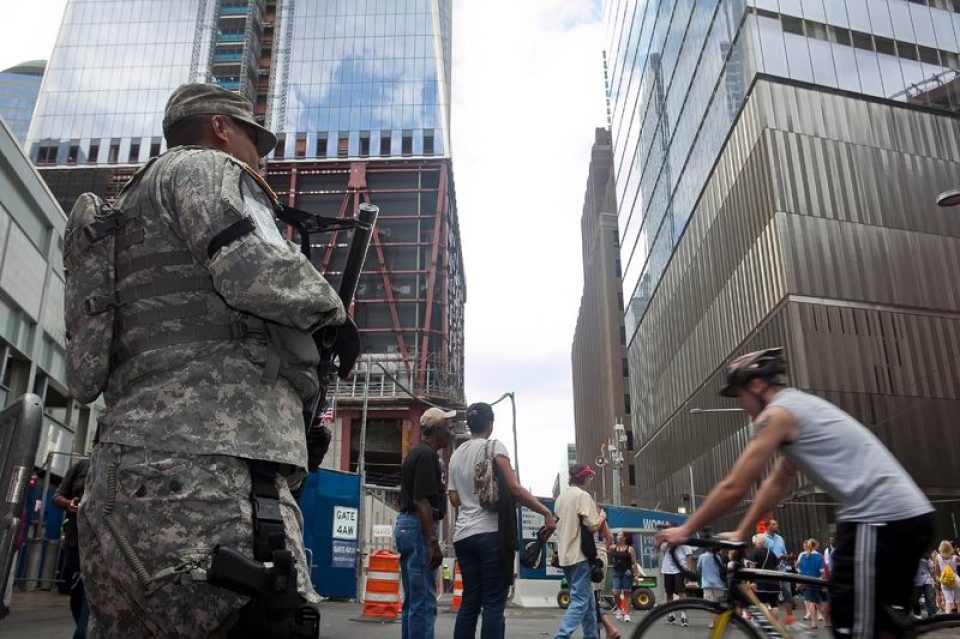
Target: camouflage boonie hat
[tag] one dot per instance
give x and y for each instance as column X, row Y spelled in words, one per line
column 210, row 99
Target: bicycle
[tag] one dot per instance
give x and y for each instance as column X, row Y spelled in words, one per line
column 729, row 624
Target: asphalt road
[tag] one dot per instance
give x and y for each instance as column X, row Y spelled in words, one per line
column 47, row 616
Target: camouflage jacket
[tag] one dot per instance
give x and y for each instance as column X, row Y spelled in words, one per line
column 207, row 397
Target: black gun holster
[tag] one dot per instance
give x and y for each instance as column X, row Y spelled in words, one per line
column 277, row 610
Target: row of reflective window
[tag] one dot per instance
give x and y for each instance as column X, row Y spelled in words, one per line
column 342, row 144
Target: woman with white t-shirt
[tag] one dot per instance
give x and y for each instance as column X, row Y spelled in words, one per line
column 476, row 538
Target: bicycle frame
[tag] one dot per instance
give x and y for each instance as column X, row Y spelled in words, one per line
column 740, row 595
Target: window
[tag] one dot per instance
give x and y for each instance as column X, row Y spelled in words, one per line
column 633, row 475
column 343, row 144
column 364, row 144
column 73, row 153
column 930, row 56
column 629, row 439
column 322, row 145
column 617, row 268
column 623, row 335
column 154, row 147
column 94, row 152
column 840, row 35
column 619, row 300
column 625, row 366
column 428, row 148
column 616, row 238
column 114, row 156
column 301, row 150
column 815, row 30
column 406, row 143
column 47, row 154
column 792, row 25
column 862, row 41
column 279, row 149
column 907, row 50
column 885, row 45
column 134, row 152
column 385, row 142
column 626, row 403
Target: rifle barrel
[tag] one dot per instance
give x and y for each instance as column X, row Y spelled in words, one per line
column 357, row 253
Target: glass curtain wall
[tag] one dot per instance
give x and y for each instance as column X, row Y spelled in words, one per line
column 113, row 67
column 680, row 70
column 363, row 78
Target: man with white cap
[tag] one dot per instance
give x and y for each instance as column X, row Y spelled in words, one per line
column 423, row 504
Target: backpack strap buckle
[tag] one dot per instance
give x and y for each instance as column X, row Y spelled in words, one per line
column 101, row 303
column 105, row 226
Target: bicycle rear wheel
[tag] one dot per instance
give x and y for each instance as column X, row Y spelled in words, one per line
column 938, row 627
column 699, row 615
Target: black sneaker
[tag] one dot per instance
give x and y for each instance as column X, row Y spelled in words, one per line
column 671, row 619
column 684, row 622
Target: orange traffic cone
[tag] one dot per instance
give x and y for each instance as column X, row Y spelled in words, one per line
column 457, row 586
column 382, row 597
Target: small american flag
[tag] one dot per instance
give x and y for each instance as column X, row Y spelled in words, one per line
column 327, row 415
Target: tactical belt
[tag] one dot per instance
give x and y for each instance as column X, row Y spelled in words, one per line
column 184, row 335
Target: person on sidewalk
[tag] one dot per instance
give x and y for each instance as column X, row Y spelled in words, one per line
column 674, row 584
column 67, row 498
column 625, row 566
column 578, row 520
column 423, row 505
column 777, row 545
column 710, row 566
column 486, row 557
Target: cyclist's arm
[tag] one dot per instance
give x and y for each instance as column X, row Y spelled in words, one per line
column 775, row 489
column 774, row 427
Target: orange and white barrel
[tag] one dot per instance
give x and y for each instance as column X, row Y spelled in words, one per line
column 457, row 586
column 381, row 599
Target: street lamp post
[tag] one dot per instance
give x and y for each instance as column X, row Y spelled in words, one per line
column 513, row 414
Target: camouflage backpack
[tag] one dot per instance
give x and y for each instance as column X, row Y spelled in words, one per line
column 485, row 481
column 88, row 256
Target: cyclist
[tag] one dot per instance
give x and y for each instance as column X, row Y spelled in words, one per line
column 885, row 522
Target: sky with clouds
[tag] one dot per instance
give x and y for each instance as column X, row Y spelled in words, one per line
column 527, row 95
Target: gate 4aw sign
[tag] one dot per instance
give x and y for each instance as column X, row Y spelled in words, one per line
column 345, row 523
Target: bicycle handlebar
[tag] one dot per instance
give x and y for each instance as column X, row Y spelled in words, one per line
column 708, row 542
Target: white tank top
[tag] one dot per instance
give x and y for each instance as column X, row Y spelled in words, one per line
column 844, row 458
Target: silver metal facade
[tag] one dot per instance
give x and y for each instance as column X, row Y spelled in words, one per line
column 817, row 230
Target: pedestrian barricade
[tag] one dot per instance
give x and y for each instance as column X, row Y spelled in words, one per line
column 381, row 599
column 457, row 586
column 20, row 428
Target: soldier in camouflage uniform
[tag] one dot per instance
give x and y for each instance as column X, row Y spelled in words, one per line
column 203, row 276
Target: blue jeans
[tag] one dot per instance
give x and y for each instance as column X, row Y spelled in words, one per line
column 419, row 582
column 583, row 607
column 484, row 587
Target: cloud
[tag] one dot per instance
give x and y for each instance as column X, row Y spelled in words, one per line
column 527, row 95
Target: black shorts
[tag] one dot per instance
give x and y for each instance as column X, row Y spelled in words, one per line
column 873, row 568
column 770, row 599
column 674, row 584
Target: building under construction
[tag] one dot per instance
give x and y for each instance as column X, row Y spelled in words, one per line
column 409, row 302
column 359, row 97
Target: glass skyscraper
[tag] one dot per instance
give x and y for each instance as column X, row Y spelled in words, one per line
column 680, row 70
column 19, row 87
column 334, row 78
column 777, row 164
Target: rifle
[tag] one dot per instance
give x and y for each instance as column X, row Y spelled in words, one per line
column 339, row 346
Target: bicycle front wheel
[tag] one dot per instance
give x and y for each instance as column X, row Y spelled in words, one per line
column 700, row 616
column 938, row 627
